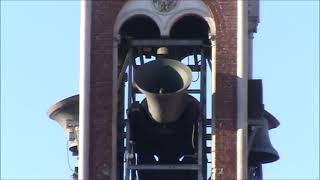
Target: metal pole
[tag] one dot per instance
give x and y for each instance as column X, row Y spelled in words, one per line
column 201, row 126
column 242, row 90
column 127, row 151
column 250, row 55
column 204, row 116
column 84, row 88
column 213, row 119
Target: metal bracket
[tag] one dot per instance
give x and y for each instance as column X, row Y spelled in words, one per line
column 125, row 65
column 165, row 42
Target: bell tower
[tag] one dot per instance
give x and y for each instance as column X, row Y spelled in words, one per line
column 109, row 28
column 164, row 92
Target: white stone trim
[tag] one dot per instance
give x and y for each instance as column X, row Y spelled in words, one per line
column 164, row 20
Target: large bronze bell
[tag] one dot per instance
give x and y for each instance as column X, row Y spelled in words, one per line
column 260, row 148
column 66, row 113
column 164, row 83
column 165, row 122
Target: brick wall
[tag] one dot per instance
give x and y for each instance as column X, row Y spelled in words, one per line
column 103, row 19
column 225, row 14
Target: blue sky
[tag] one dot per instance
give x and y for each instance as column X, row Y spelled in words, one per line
column 40, row 66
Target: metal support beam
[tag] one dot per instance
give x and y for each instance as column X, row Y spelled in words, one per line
column 125, row 65
column 165, row 167
column 165, row 42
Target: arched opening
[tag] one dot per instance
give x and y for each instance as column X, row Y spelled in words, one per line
column 190, row 27
column 137, row 27
column 140, row 27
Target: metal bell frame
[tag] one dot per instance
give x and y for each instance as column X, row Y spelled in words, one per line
column 129, row 63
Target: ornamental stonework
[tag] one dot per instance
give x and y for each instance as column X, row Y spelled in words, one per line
column 164, row 6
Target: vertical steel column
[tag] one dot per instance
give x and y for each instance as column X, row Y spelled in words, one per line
column 259, row 173
column 203, row 116
column 255, row 172
column 129, row 102
column 242, row 90
column 120, row 131
column 213, row 102
column 122, row 123
column 130, row 75
column 127, row 148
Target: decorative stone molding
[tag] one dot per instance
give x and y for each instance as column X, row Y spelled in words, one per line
column 164, row 6
column 169, row 12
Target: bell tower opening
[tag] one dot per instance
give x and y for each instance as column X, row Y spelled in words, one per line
column 140, row 27
column 190, row 27
column 137, row 27
column 162, row 97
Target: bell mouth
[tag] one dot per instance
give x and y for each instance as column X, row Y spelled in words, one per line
column 69, row 102
column 73, row 147
column 256, row 158
column 163, row 76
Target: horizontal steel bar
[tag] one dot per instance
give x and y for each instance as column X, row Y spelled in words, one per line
column 208, row 137
column 166, row 42
column 165, row 167
column 208, row 121
column 193, row 91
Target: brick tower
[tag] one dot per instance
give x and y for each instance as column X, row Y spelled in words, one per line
column 107, row 28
